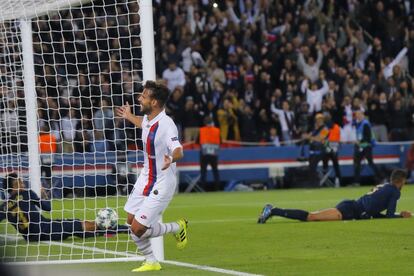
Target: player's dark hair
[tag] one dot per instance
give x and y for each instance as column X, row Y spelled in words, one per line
column 159, row 91
column 398, row 175
column 8, row 181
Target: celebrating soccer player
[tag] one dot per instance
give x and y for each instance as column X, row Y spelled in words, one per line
column 382, row 197
column 156, row 183
column 21, row 208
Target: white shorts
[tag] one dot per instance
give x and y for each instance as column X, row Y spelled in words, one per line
column 148, row 209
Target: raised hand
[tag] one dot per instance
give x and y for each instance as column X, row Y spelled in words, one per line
column 124, row 111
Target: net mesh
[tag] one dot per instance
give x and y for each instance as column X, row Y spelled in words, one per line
column 87, row 61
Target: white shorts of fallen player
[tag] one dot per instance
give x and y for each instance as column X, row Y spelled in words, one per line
column 148, row 209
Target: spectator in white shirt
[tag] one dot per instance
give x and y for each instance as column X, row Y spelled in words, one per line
column 286, row 119
column 69, row 125
column 192, row 57
column 195, row 20
column 9, row 126
column 66, row 89
column 10, row 119
column 348, row 133
column 314, row 96
column 102, row 115
column 103, row 120
column 173, row 75
column 388, row 70
column 310, row 68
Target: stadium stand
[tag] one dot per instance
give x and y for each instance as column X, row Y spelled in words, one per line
column 260, row 69
column 256, row 54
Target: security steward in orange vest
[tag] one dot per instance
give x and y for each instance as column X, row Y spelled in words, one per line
column 47, row 147
column 209, row 140
column 332, row 147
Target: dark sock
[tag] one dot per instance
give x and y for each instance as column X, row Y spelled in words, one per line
column 119, row 229
column 122, row 228
column 87, row 234
column 290, row 213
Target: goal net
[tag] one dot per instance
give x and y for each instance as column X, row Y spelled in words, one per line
column 65, row 65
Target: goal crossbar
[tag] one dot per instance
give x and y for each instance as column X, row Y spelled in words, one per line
column 11, row 9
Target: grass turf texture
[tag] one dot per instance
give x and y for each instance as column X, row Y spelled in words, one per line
column 224, row 234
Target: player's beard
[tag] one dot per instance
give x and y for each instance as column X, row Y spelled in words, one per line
column 146, row 109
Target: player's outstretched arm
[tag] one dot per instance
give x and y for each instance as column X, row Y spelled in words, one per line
column 2, row 210
column 43, row 203
column 125, row 112
column 402, row 214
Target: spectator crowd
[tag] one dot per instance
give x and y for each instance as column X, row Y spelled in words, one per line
column 260, row 68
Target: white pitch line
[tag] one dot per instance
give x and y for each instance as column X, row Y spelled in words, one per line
column 211, row 268
column 127, row 257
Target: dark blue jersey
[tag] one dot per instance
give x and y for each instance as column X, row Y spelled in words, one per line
column 382, row 197
column 22, row 211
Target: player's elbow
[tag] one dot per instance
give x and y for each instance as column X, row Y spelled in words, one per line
column 178, row 154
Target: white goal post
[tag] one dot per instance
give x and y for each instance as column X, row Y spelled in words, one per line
column 65, row 65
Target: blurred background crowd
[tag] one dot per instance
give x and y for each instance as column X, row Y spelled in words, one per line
column 260, row 68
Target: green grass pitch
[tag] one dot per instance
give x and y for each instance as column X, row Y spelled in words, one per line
column 224, row 233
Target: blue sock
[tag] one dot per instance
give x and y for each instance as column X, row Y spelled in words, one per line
column 291, row 213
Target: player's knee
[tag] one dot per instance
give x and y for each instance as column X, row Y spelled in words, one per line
column 311, row 217
column 140, row 232
column 138, row 229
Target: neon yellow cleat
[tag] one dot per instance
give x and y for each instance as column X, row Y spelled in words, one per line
column 148, row 267
column 181, row 235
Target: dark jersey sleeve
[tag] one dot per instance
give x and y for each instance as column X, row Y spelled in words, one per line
column 382, row 197
column 379, row 215
column 3, row 211
column 392, row 206
column 43, row 204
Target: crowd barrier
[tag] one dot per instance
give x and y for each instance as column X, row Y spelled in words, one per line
column 236, row 164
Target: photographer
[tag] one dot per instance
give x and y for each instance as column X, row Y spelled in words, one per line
column 332, row 147
column 317, row 139
column 363, row 146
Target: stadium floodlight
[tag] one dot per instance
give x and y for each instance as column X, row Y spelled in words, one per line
column 65, row 65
